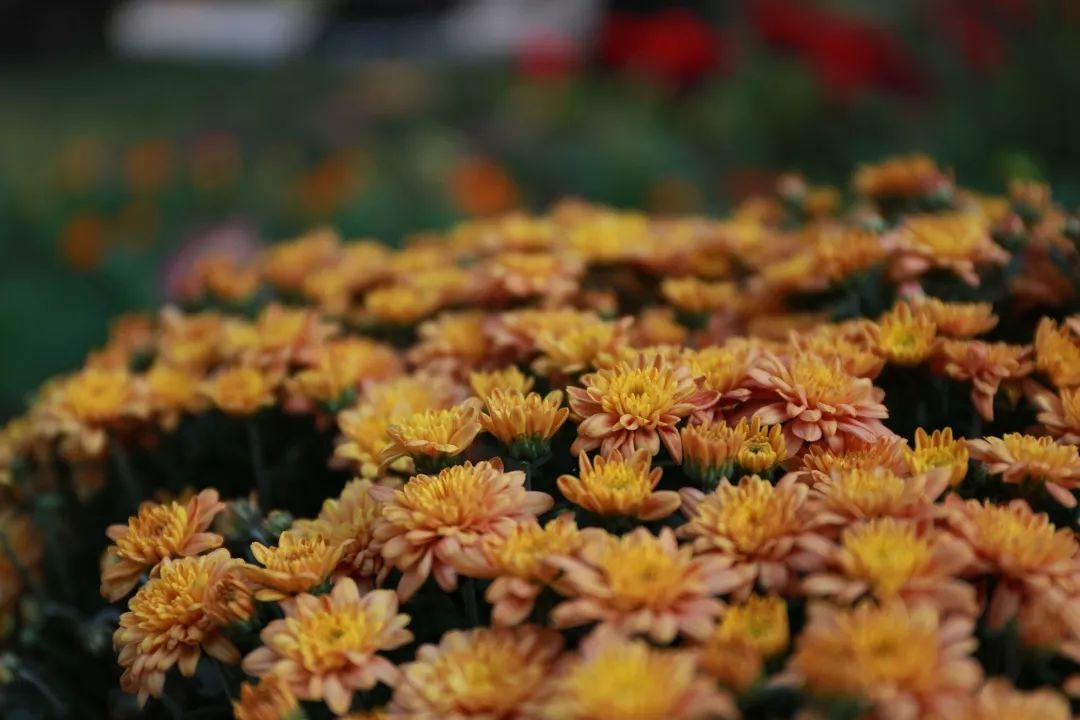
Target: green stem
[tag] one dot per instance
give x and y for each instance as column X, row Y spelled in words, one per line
column 262, row 483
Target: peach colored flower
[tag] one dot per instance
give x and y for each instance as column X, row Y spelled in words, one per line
column 1057, row 352
column 999, row 700
column 618, row 486
column 958, row 242
column 847, row 496
column 986, row 365
column 326, row 648
column 640, row 583
column 1059, row 413
column 906, row 176
column 764, row 534
column 725, row 370
column 1019, row 458
column 271, row 699
column 957, row 319
column 300, row 562
column 157, row 532
column 483, row 673
column 435, row 524
column 434, row 434
column 886, row 453
column 507, row 379
column 636, row 405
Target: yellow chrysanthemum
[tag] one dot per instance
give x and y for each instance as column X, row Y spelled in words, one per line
column 300, row 562
column 909, row 176
column 938, row 450
column 1060, row 413
column 761, row 621
column 507, row 379
column 569, row 349
column 959, row 242
column 956, row 319
column 341, row 366
column 619, row 678
column 998, row 700
column 860, row 494
column 434, row 435
column 401, row 304
column 696, row 296
column 761, row 447
column 326, row 648
column 454, row 343
column 349, row 521
column 241, row 390
column 271, row 699
column 178, row 615
column 1057, row 353
column 904, row 337
column 157, row 532
column 87, row 404
column 524, row 423
column 287, row 264
column 172, row 391
column 1019, row 458
column 618, row 486
column 481, row 673
column 710, row 451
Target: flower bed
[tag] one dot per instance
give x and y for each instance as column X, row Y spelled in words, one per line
column 593, row 464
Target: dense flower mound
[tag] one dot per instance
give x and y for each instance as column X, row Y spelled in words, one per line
column 811, row 460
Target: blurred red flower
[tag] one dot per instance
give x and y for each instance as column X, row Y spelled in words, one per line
column 674, row 45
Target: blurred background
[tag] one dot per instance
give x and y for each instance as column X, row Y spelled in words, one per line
column 136, row 135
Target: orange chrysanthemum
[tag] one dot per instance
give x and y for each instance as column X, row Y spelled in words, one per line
column 904, row 177
column 86, row 405
column 956, row 319
column 524, row 423
column 904, row 337
column 157, row 532
column 481, row 673
column 725, row 370
column 1019, row 458
column 434, row 524
column 636, row 405
column 326, row 648
column 846, row 496
column 958, row 242
column 341, row 367
column 572, row 348
column 241, row 390
column 618, row 486
column 764, row 534
column 1059, row 413
column 692, row 295
column 171, row 392
column 271, row 699
column 907, row 662
column 642, row 584
column 998, row 700
column 938, row 450
column 178, row 615
column 986, row 365
column 507, row 379
column 434, row 435
column 1057, row 353
column 748, row 634
column 300, row 562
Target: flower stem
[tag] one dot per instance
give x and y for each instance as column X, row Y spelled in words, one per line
column 220, row 672
column 258, row 464
column 125, row 471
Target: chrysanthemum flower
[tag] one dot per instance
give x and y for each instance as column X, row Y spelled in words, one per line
column 692, row 295
column 658, row 326
column 891, row 558
column 886, row 453
column 349, row 521
column 190, row 341
column 710, row 451
column 839, row 252
column 516, row 333
column 958, row 242
column 906, row 662
column 957, row 319
column 998, row 700
column 90, row 402
column 434, row 435
column 748, row 634
column 1057, row 353
column 241, row 390
column 1019, row 458
column 816, row 401
column 518, row 562
column 761, row 447
column 171, row 392
column 326, row 648
column 636, row 406
column 938, row 450
column 482, row 673
column 342, row 366
column 157, row 532
column 287, row 264
column 904, row 337
column 282, row 336
column 986, row 365
column 725, row 370
column 401, row 304
column 905, row 177
column 1059, row 413
column 298, row 563
column 549, row 276
column 433, row 520
column 524, row 423
column 569, row 349
column 764, row 534
column 851, row 345
column 1027, row 553
column 507, row 379
column 271, row 699
column 641, row 584
column 178, row 615
column 615, row 677
column 847, row 496
column 453, row 343
column 618, row 486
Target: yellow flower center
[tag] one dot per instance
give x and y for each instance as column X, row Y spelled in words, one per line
column 324, row 638
column 490, row 677
column 760, row 622
column 748, row 515
column 886, row 554
column 873, row 492
column 522, row 552
column 456, row 497
column 98, row 395
column 629, row 681
column 641, row 573
column 639, row 395
column 1027, row 539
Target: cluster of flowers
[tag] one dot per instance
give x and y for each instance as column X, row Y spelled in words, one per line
column 800, row 461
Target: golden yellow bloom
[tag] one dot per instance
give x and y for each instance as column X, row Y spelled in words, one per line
column 349, row 521
column 92, row 401
column 615, row 677
column 640, row 583
column 891, row 558
column 300, row 562
column 342, row 366
column 907, row 662
column 710, row 451
column 552, row 277
column 1021, row 458
column 617, row 486
column 1031, row 557
column 603, row 235
column 279, row 337
column 636, row 405
column 762, row 532
column 885, row 453
column 1057, row 353
column 157, row 532
column 956, row 319
column 178, row 615
column 171, row 392
column 938, row 450
column 1059, row 413
column 904, row 337
column 481, row 673
column 519, row 564
column 524, row 423
column 958, row 242
column 658, row 326
column 287, row 264
column 816, row 400
column 998, row 700
column 271, row 699
column 844, row 496
column 326, row 647
column 507, row 379
column 839, row 252
column 190, row 341
column 434, row 524
column 221, row 276
column 691, row 295
column 434, row 434
column 572, row 348
column 850, row 344
column 401, row 304
column 453, row 343
column 761, row 621
column 905, row 177
column 761, row 448
column 986, row 365
column 241, row 390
